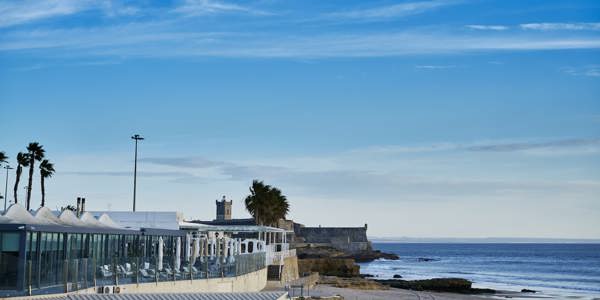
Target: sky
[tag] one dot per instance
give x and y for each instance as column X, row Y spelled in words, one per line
column 421, row 118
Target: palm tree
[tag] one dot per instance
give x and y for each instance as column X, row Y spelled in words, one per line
column 3, row 157
column 22, row 161
column 46, row 171
column 266, row 203
column 35, row 152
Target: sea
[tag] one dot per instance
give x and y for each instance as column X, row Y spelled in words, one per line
column 557, row 270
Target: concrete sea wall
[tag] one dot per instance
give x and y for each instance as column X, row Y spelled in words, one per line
column 251, row 282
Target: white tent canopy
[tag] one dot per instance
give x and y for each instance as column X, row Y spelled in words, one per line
column 17, row 214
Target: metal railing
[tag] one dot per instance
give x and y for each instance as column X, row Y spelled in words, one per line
column 277, row 257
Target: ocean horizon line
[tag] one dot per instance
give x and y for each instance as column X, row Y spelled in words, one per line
column 484, row 240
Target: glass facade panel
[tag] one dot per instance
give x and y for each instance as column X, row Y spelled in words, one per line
column 10, row 242
column 58, row 262
column 9, row 258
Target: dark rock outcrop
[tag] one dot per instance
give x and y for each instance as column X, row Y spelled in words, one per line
column 454, row 285
column 426, row 259
column 341, row 267
column 396, row 276
column 320, row 252
column 368, row 256
column 334, row 262
column 331, row 252
column 528, row 291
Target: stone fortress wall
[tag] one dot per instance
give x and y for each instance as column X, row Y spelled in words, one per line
column 350, row 239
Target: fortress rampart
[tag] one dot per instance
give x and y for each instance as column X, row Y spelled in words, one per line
column 350, row 239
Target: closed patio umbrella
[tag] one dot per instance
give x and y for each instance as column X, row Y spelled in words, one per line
column 188, row 248
column 231, row 258
column 202, row 250
column 195, row 246
column 178, row 254
column 160, row 254
column 225, row 248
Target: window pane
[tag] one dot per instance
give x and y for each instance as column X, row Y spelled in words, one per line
column 10, row 242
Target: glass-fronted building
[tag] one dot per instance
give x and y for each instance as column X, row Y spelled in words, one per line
column 43, row 253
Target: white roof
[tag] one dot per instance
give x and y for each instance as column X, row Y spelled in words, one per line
column 17, row 214
column 69, row 218
column 237, row 228
column 92, row 221
column 189, row 225
column 144, row 219
column 44, row 214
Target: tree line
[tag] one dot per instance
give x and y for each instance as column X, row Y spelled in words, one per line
column 35, row 153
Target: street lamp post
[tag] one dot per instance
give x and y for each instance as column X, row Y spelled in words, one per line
column 137, row 138
column 7, row 167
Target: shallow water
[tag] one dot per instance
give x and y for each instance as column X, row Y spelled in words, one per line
column 553, row 269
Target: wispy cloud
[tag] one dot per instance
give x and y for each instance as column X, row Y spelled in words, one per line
column 435, row 67
column 540, row 27
column 21, row 12
column 231, row 170
column 182, row 162
column 557, row 144
column 402, row 149
column 577, row 145
column 488, row 27
column 127, row 173
column 208, row 7
column 18, row 12
column 589, row 70
column 392, row 11
column 361, row 182
column 165, row 39
column 561, row 26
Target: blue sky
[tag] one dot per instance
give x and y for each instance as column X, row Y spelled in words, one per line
column 422, row 118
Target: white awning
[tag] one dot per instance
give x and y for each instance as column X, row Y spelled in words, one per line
column 230, row 228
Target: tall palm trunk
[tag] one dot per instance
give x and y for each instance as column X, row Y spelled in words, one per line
column 43, row 191
column 17, row 179
column 31, row 165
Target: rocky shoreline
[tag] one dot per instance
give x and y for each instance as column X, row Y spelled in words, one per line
column 331, row 252
column 334, row 262
column 340, row 269
column 448, row 285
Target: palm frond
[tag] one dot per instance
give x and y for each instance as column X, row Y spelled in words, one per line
column 3, row 157
column 23, row 159
column 46, row 168
column 266, row 203
column 36, row 151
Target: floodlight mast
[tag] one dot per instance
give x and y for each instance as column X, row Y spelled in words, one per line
column 137, row 138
